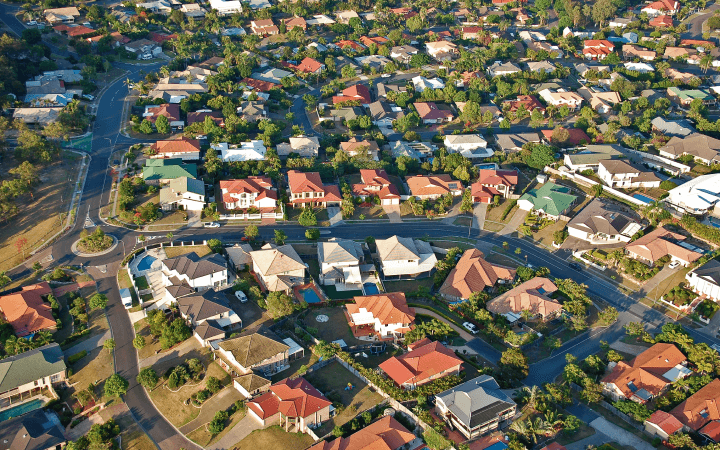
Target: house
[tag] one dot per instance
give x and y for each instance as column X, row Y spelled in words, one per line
column 35, row 430
column 592, row 155
column 193, row 10
column 597, row 49
column 376, row 182
column 433, row 186
column 470, row 32
column 264, row 27
column 142, row 47
column 270, row 75
column 200, row 115
column 345, row 16
column 171, row 111
column 492, row 182
column 705, row 280
column 700, row 412
column 697, row 196
column 405, row 257
column 156, row 6
column 356, row 93
column 604, row 222
column 37, row 116
column 660, row 243
column 278, row 268
column 421, row 83
column 561, row 98
column 295, row 22
column 251, row 192
column 259, row 85
column 499, row 69
column 662, row 424
column 619, row 22
column 513, row 142
column 262, row 353
column 634, row 51
column 647, row 375
column 532, row 296
column 351, row 46
column 198, row 273
column 403, row 53
column 47, row 89
column 576, row 137
column 183, row 148
column 26, row 310
column 209, row 315
column 183, row 193
column 617, row 173
column 637, row 67
column 541, row 66
column 430, row 113
column 416, row 150
column 162, row 171
column 473, row 274
column 680, row 129
column 307, row 189
column 252, row 111
column 441, row 50
column 245, row 151
column 40, row 368
column 239, row 256
column 304, row 146
column 529, row 102
column 376, row 40
column 296, row 403
column 599, row 100
column 385, row 433
column 548, row 200
column 356, row 147
column 345, row 113
column 320, row 19
column 685, row 97
column 701, row 147
column 680, row 54
column 383, row 114
column 340, row 262
column 383, row 89
column 475, row 407
column 61, row 15
column 426, row 361
column 469, row 145
column 683, row 77
column 376, row 62
column 380, row 317
column 310, row 65
column 660, row 7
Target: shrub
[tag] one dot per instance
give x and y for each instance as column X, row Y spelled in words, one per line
column 115, row 386
column 72, row 359
column 213, row 384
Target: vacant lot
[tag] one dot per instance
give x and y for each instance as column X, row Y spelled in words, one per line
column 274, row 437
column 332, row 381
column 407, row 285
column 203, row 437
column 201, row 250
column 39, row 216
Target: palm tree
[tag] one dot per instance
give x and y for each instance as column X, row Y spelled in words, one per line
column 43, row 337
column 553, row 418
column 538, row 428
column 530, row 394
column 520, row 427
column 706, row 62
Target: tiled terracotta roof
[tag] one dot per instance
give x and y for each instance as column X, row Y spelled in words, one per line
column 26, row 311
column 385, row 433
column 430, row 111
column 701, row 407
column 427, row 359
column 659, row 243
column 473, row 274
column 421, row 185
column 182, row 145
column 665, row 421
column 387, row 308
column 305, row 182
column 260, row 85
column 309, row 65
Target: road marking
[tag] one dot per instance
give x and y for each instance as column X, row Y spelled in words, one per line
column 88, row 221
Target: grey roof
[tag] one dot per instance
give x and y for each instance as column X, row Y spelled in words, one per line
column 30, row 366
column 239, row 254
column 680, row 128
column 179, row 290
column 209, row 329
column 476, row 401
column 202, row 307
column 399, row 248
column 36, row 430
column 254, row 348
column 339, row 251
column 195, row 267
column 383, row 88
column 601, row 216
column 593, row 154
column 348, row 113
column 512, row 141
column 710, row 271
column 380, row 110
column 187, row 184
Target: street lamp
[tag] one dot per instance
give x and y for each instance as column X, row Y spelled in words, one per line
column 123, row 243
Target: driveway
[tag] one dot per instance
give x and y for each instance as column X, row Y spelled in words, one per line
column 654, row 287
column 514, row 223
column 89, row 344
column 619, row 435
column 479, row 214
column 393, row 213
column 237, row 434
column 194, row 219
column 335, row 215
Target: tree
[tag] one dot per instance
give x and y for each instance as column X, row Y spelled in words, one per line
column 280, row 237
column 538, row 156
column 602, row 10
column 279, row 304
column 251, row 232
column 310, row 101
column 592, row 391
column 634, row 328
column 98, row 301
column 312, row 234
column 139, row 342
column 20, row 244
column 348, row 72
column 147, row 378
column 597, row 189
column 215, row 245
column 162, row 125
column 146, row 127
column 514, row 364
column 467, row 201
column 115, row 386
column 4, row 279
column 307, row 217
column 608, row 315
column 109, row 344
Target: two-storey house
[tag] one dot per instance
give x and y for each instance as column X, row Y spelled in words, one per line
column 251, row 192
column 307, row 189
column 380, row 316
column 198, row 273
column 340, row 261
column 492, row 182
column 278, row 268
column 376, row 182
column 405, row 257
column 426, row 361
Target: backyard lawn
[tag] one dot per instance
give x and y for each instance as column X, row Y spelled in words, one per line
column 335, row 328
column 201, row 250
column 407, row 285
column 332, row 380
column 308, row 360
column 141, row 283
column 274, row 437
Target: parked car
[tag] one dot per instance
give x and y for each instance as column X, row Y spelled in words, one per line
column 470, row 327
column 674, row 265
column 386, row 75
column 32, row 23
column 88, row 97
column 576, row 266
column 212, row 225
column 146, row 56
column 240, row 295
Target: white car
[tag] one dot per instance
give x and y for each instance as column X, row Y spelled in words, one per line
column 212, row 225
column 32, row 23
column 240, row 295
column 470, row 327
column 386, row 75
column 88, row 97
column 146, row 56
column 674, row 264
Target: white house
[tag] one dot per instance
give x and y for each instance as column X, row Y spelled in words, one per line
column 381, row 316
column 340, row 261
column 156, row 6
column 422, row 83
column 620, row 174
column 705, row 280
column 499, row 69
column 561, row 97
column 198, row 273
column 697, row 196
column 247, row 151
column 639, row 67
column 405, row 257
column 604, row 222
column 469, row 145
column 251, row 192
column 183, row 193
column 661, row 7
column 224, row 7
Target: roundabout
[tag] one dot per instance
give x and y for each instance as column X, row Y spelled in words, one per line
column 74, row 248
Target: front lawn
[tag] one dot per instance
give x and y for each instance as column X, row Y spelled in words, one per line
column 332, row 380
column 274, row 437
column 201, row 250
column 204, row 438
column 95, row 367
column 374, row 212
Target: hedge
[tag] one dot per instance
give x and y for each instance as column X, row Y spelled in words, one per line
column 508, row 208
column 72, row 359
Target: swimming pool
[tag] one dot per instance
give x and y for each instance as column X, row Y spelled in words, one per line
column 490, row 166
column 145, row 263
column 310, row 296
column 19, row 410
column 370, row 289
column 643, row 198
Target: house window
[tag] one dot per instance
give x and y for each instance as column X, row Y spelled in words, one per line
column 55, row 378
column 36, row 382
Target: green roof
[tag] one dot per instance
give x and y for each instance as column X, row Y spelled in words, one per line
column 166, row 171
column 691, row 94
column 27, row 367
column 550, row 198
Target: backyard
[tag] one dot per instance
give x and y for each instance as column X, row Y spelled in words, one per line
column 274, row 437
column 408, row 286
column 332, row 380
column 335, row 328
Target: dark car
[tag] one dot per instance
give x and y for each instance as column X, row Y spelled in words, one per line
column 575, row 266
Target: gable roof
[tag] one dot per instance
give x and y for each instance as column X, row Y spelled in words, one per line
column 531, row 295
column 473, row 274
column 167, row 169
column 305, row 181
column 706, row 400
column 254, row 348
column 32, row 365
column 709, row 271
column 515, row 140
column 385, row 433
column 249, row 185
column 497, row 177
column 202, row 307
column 398, row 248
column 34, row 430
column 665, row 421
column 476, row 401
column 430, row 111
column 339, row 251
column 182, row 145
column 277, row 260
column 26, row 311
column 427, row 359
column 659, row 243
column 695, row 144
column 195, row 267
column 388, row 308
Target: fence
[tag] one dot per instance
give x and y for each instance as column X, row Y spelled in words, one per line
column 613, row 410
column 588, row 182
column 245, row 216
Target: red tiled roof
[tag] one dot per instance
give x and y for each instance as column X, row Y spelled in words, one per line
column 430, row 111
column 304, row 182
column 374, row 177
column 598, row 43
column 74, row 31
column 159, row 38
column 427, row 359
column 26, row 311
column 298, row 398
column 384, row 434
column 388, row 308
column 356, row 92
column 119, row 37
column 377, row 40
column 712, row 430
column 661, row 21
column 473, row 274
column 264, row 406
column 697, row 42
column 498, row 177
column 531, row 295
column 249, row 185
column 665, row 421
column 706, row 400
column 528, row 101
column 662, row 5
column 169, row 110
column 352, row 44
column 260, row 85
column 309, row 65
column 659, row 243
column 421, row 185
column 577, row 136
column 199, row 116
column 554, row 446
column 182, row 145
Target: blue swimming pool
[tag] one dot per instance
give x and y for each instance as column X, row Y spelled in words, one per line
column 145, row 263
column 19, row 410
column 310, row 296
column 489, row 166
column 370, row 289
column 643, row 198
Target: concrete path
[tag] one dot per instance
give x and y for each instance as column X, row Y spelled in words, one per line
column 619, row 435
column 89, row 344
column 184, row 348
column 514, row 223
column 654, row 287
column 238, row 433
column 628, row 348
column 479, row 214
column 220, row 402
column 596, row 439
column 83, row 427
column 713, row 327
column 452, row 214
column 393, row 213
column 335, row 215
column 137, row 316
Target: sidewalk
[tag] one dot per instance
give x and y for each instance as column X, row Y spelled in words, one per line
column 89, row 344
